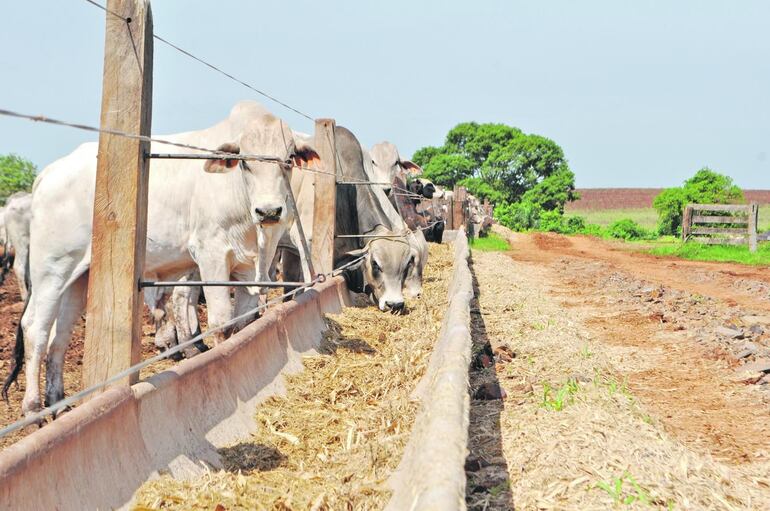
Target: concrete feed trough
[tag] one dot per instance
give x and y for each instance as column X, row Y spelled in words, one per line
column 96, row 456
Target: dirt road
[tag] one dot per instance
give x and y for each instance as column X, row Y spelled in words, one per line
column 622, row 380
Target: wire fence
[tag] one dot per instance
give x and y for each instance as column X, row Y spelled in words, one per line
column 52, row 410
column 62, row 405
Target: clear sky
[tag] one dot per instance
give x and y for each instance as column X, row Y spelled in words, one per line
column 637, row 92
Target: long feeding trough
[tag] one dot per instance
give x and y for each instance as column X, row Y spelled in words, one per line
column 175, row 422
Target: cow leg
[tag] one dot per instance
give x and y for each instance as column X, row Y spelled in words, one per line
column 184, row 302
column 36, row 325
column 163, row 317
column 304, row 262
column 20, row 269
column 218, row 305
column 291, row 269
column 245, row 300
column 72, row 306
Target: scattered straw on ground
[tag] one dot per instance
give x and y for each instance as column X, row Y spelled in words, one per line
column 333, row 440
column 572, row 434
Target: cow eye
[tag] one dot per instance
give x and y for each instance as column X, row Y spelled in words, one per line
column 376, row 267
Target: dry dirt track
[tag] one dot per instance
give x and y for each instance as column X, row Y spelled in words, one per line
column 615, row 372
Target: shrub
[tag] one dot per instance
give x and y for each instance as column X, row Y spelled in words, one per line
column 551, row 221
column 575, row 224
column 670, row 205
column 627, row 229
column 593, row 230
column 518, row 216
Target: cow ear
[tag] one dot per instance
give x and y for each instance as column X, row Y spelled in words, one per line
column 351, row 256
column 353, row 275
column 305, row 155
column 224, row 165
column 410, row 167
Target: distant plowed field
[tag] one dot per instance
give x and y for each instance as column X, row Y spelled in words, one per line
column 630, row 198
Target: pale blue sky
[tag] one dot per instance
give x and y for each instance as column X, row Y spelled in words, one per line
column 638, row 93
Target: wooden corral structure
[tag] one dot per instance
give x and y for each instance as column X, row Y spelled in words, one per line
column 721, row 224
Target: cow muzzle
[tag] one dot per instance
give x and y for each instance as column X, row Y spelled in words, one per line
column 394, row 307
column 268, row 215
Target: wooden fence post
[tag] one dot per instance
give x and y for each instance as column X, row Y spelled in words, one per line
column 325, row 198
column 114, row 310
column 686, row 222
column 753, row 220
column 457, row 208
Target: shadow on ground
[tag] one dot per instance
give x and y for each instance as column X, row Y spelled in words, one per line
column 488, row 485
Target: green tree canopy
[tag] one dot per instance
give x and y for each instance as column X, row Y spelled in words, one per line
column 16, row 174
column 500, row 163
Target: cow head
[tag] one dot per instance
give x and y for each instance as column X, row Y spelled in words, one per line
column 388, row 164
column 385, row 268
column 428, row 188
column 265, row 183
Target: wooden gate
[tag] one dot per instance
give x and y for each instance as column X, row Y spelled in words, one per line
column 721, row 224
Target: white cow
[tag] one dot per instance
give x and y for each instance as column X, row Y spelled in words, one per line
column 387, row 164
column 416, row 239
column 17, row 218
column 224, row 217
column 393, row 258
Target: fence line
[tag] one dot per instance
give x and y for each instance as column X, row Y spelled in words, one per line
column 65, row 403
column 207, row 64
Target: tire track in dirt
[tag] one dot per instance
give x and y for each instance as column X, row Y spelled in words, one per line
column 690, row 387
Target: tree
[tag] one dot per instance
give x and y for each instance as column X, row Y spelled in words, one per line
column 16, row 174
column 501, row 163
column 481, row 189
column 705, row 187
column 553, row 191
column 447, row 169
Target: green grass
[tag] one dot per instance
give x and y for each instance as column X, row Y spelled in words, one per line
column 636, row 494
column 764, row 218
column 556, row 399
column 721, row 253
column 490, row 243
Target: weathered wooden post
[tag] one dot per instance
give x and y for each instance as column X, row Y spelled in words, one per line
column 457, row 208
column 686, row 222
column 114, row 311
column 753, row 220
column 325, row 200
column 461, row 198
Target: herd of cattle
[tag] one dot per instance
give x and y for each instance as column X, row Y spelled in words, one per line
column 221, row 220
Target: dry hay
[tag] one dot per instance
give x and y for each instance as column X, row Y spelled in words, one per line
column 333, row 440
column 537, row 454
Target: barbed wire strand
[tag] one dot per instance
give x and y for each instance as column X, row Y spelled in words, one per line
column 208, row 64
column 143, row 138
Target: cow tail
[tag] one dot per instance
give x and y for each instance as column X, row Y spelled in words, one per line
column 18, row 349
column 4, row 261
